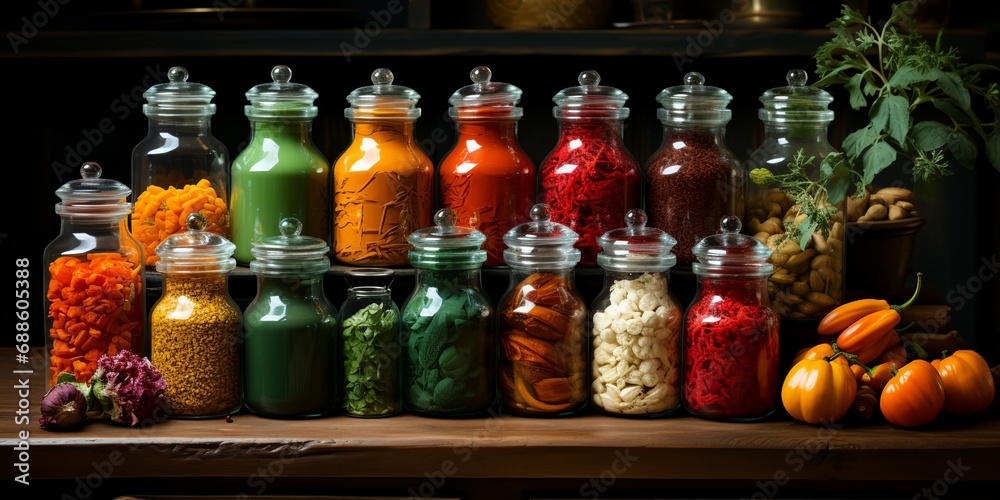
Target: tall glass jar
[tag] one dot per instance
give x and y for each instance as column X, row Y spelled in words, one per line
column 636, row 324
column 383, row 182
column 370, row 338
column 486, row 178
column 693, row 179
column 95, row 276
column 281, row 173
column 290, row 329
column 449, row 324
column 542, row 365
column 590, row 179
column 808, row 279
column 731, row 364
column 195, row 327
column 180, row 167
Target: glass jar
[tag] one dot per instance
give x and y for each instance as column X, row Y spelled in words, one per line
column 486, row 178
column 590, row 179
column 636, row 324
column 290, row 329
column 809, row 271
column 370, row 345
column 693, row 179
column 542, row 364
column 281, row 173
column 449, row 324
column 195, row 327
column 95, row 276
column 384, row 182
column 180, row 167
column 731, row 331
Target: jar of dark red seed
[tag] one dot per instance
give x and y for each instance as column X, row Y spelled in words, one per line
column 693, row 179
column 730, row 349
column 589, row 179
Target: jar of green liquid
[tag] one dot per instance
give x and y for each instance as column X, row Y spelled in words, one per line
column 370, row 343
column 281, row 173
column 290, row 329
column 449, row 324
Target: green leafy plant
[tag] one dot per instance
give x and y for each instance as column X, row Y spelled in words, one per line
column 925, row 102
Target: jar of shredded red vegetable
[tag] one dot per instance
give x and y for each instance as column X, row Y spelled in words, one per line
column 693, row 179
column 486, row 178
column 636, row 324
column 542, row 363
column 806, row 234
column 95, row 278
column 383, row 182
column 731, row 331
column 590, row 179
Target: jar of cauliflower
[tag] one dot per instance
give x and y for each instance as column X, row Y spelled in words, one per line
column 636, row 324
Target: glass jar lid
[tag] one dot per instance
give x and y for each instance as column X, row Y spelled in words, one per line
column 590, row 100
column 731, row 253
column 694, row 103
column 92, row 197
column 636, row 247
column 797, row 101
column 485, row 99
column 195, row 250
column 383, row 99
column 446, row 245
column 281, row 98
column 541, row 243
column 178, row 97
column 290, row 252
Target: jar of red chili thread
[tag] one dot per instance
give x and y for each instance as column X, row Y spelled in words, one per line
column 730, row 346
column 486, row 178
column 693, row 179
column 590, row 179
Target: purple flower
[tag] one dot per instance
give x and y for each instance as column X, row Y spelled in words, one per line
column 129, row 388
column 64, row 406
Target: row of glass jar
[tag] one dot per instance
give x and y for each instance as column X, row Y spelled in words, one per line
column 383, row 184
column 281, row 357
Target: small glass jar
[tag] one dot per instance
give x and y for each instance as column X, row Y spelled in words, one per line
column 281, row 173
column 180, row 167
column 808, row 280
column 290, row 329
column 95, row 276
column 383, row 182
column 636, row 324
column 449, row 324
column 542, row 365
column 370, row 346
column 731, row 364
column 590, row 179
column 486, row 178
column 693, row 179
column 196, row 327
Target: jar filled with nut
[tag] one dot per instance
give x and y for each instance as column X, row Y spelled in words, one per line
column 542, row 365
column 195, row 326
column 636, row 324
column 804, row 231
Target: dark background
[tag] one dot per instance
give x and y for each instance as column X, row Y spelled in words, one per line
column 55, row 104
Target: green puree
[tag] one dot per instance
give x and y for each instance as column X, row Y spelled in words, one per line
column 280, row 174
column 290, row 352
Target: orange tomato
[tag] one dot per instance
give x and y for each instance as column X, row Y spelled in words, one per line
column 968, row 383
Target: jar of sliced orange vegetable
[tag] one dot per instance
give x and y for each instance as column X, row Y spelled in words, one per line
column 179, row 168
column 95, row 278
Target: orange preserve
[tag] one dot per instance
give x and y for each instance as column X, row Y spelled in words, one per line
column 486, row 178
column 383, row 182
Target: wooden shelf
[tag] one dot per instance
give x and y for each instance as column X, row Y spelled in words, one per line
column 677, row 448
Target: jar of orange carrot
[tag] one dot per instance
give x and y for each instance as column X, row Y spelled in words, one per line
column 179, row 168
column 95, row 278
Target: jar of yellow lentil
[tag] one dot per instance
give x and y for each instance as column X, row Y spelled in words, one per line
column 196, row 326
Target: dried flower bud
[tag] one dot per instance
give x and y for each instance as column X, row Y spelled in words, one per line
column 63, row 407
